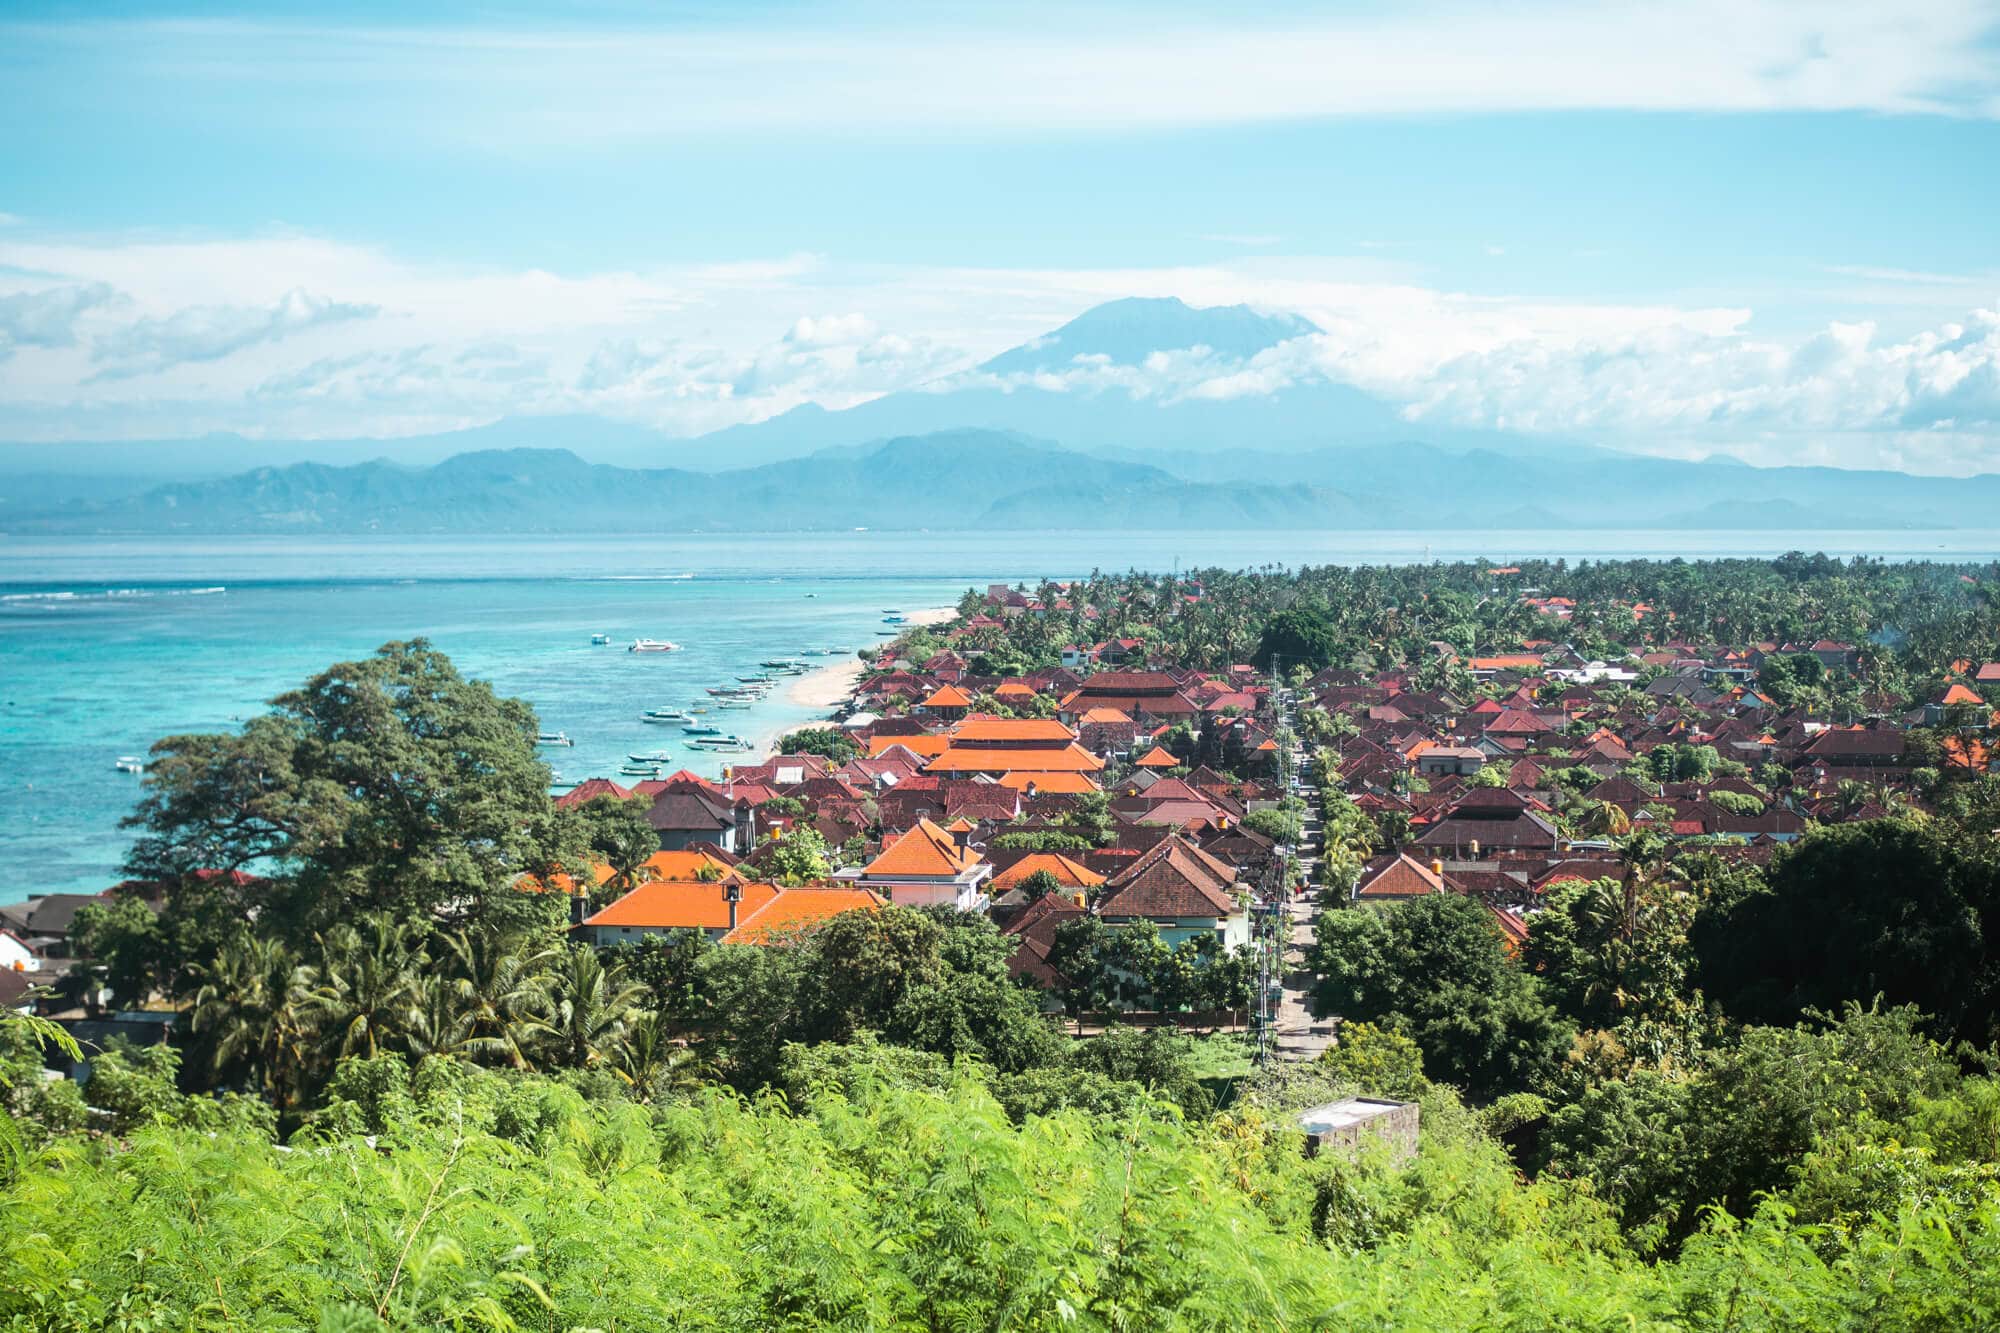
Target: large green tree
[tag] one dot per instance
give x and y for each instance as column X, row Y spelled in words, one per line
column 390, row 785
column 1890, row 907
column 1435, row 969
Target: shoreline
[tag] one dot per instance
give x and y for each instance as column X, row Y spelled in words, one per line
column 826, row 688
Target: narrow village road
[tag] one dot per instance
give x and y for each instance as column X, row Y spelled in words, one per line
column 1296, row 1035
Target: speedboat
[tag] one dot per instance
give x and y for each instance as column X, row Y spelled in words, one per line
column 640, row 771
column 653, row 646
column 656, row 757
column 130, row 763
column 599, row 640
column 755, row 680
column 892, row 620
column 703, row 730
column 552, row 738
column 663, row 715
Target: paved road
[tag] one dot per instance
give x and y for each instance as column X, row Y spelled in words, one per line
column 1292, row 1035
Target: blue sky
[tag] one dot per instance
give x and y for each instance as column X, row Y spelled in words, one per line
column 1761, row 228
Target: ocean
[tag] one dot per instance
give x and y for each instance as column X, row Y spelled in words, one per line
column 108, row 644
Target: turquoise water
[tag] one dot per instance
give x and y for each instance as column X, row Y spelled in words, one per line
column 108, row 644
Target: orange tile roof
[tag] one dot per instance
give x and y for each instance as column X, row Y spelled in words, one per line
column 924, row 747
column 1067, row 872
column 560, row 882
column 682, row 865
column 924, row 850
column 1157, row 757
column 1049, row 784
column 1013, row 689
column 1103, row 716
column 666, row 904
column 1958, row 694
column 947, row 696
column 1071, row 758
column 987, row 730
column 796, row 910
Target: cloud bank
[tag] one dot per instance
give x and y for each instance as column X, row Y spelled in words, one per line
column 300, row 336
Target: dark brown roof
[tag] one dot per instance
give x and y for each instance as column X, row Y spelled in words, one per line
column 1174, row 879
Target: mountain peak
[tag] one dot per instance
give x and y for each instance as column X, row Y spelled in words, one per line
column 1128, row 331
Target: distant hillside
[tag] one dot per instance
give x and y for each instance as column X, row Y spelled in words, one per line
column 972, row 479
column 957, row 479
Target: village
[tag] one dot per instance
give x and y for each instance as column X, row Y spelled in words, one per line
column 1218, row 811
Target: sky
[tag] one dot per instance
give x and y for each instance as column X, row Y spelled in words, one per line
column 1751, row 227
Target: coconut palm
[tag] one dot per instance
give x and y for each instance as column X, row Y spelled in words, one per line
column 652, row 1060
column 247, row 1006
column 505, row 991
column 590, row 1006
column 440, row 1017
column 1602, row 819
column 362, row 988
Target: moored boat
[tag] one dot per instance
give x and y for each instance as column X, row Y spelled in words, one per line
column 653, row 646
column 553, row 738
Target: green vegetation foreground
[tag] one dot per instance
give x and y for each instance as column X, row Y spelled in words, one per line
column 490, row 1201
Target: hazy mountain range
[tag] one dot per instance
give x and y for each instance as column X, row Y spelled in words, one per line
column 1049, row 434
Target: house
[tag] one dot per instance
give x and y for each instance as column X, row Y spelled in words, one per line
column 16, row 956
column 686, row 814
column 926, row 867
column 794, row 911
column 1075, row 878
column 1185, row 892
column 714, row 907
column 1397, row 879
column 1140, row 695
column 1491, row 820
column 946, row 701
column 1034, row 936
column 1441, row 759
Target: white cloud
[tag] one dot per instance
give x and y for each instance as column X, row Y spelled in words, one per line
column 212, row 332
column 228, row 338
column 1001, row 68
column 47, row 317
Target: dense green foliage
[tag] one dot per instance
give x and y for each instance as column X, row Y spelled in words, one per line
column 1434, row 969
column 1700, row 1094
column 893, row 1190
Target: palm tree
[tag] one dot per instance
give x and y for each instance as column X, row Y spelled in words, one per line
column 440, row 1020
column 1602, row 819
column 652, row 1060
column 505, row 992
column 1642, row 853
column 248, row 1006
column 589, row 1008
column 363, row 988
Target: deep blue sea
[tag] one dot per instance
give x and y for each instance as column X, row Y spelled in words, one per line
column 108, row 644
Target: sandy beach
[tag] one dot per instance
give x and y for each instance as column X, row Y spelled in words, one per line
column 828, row 687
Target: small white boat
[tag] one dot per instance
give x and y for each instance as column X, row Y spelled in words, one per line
column 664, row 715
column 599, row 640
column 656, row 757
column 639, row 771
column 553, row 738
column 131, row 763
column 653, row 646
